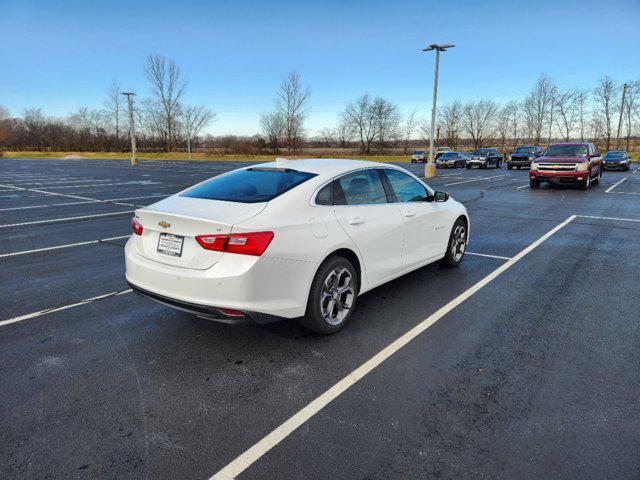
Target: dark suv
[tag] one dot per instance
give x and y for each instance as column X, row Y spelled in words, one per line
column 485, row 157
column 523, row 156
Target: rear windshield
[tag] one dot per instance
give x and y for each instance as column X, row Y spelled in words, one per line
column 566, row 151
column 253, row 185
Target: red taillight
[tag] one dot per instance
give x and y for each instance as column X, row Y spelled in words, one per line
column 254, row 243
column 136, row 226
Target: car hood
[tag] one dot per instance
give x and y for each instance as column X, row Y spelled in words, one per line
column 562, row 159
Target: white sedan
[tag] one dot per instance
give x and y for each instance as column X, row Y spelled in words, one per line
column 291, row 239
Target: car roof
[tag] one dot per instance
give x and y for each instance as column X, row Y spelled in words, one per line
column 323, row 166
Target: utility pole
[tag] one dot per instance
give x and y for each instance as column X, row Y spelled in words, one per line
column 132, row 129
column 624, row 91
column 430, row 168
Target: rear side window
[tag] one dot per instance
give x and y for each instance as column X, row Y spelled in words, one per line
column 252, row 185
column 325, row 195
column 363, row 187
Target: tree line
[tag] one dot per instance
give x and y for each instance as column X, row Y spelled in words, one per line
column 609, row 114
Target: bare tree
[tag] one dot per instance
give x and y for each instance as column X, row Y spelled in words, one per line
column 503, row 125
column 409, row 126
column 581, row 99
column 631, row 109
column 194, row 119
column 4, row 113
column 478, row 120
column 538, row 107
column 451, row 120
column 568, row 112
column 272, row 125
column 604, row 96
column 114, row 107
column 386, row 119
column 167, row 89
column 358, row 118
column 291, row 104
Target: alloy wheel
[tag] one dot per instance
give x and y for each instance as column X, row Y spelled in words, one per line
column 458, row 242
column 336, row 298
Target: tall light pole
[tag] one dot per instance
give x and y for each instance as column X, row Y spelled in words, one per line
column 132, row 128
column 430, row 168
column 624, row 92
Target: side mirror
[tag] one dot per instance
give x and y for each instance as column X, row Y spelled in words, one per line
column 440, row 196
column 538, row 154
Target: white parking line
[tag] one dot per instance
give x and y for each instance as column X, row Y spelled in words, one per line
column 610, row 189
column 57, row 220
column 522, row 186
column 484, row 255
column 58, row 247
column 475, row 180
column 610, row 218
column 246, row 459
column 141, row 183
column 65, row 307
column 45, row 192
column 107, row 200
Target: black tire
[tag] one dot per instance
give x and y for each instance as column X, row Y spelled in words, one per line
column 315, row 319
column 468, row 166
column 534, row 183
column 587, row 183
column 519, row 167
column 510, row 167
column 457, row 245
column 497, row 164
column 597, row 179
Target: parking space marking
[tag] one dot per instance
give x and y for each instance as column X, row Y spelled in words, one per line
column 254, row 453
column 64, row 307
column 610, row 189
column 59, row 247
column 478, row 255
column 475, row 180
column 522, row 186
column 58, row 220
column 45, row 192
column 595, row 217
column 140, row 182
column 85, row 202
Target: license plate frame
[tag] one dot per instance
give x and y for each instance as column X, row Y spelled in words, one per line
column 165, row 247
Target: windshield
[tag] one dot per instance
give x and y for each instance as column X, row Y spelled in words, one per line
column 525, row 150
column 449, row 155
column 482, row 151
column 566, row 151
column 418, row 152
column 253, row 185
column 615, row 155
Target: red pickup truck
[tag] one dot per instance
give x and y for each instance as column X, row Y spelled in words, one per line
column 576, row 163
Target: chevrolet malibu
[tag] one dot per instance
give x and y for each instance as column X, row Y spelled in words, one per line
column 291, row 239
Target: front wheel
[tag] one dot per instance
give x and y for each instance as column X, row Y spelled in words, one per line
column 332, row 298
column 457, row 244
column 533, row 183
column 587, row 183
column 509, row 166
column 597, row 179
column 468, row 166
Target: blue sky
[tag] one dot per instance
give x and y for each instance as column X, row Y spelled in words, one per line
column 62, row 55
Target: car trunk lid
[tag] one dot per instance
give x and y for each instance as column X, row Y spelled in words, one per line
column 171, row 225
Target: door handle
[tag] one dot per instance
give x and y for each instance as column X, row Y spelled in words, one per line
column 356, row 220
column 409, row 213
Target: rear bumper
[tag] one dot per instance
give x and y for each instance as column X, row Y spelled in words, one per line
column 262, row 288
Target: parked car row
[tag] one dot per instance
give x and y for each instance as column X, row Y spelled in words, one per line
column 554, row 169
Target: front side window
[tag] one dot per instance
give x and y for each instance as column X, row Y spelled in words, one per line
column 252, row 185
column 363, row 187
column 406, row 188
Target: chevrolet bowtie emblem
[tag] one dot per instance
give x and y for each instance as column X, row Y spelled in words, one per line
column 164, row 224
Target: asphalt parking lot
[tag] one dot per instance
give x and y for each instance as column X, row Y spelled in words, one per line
column 522, row 363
